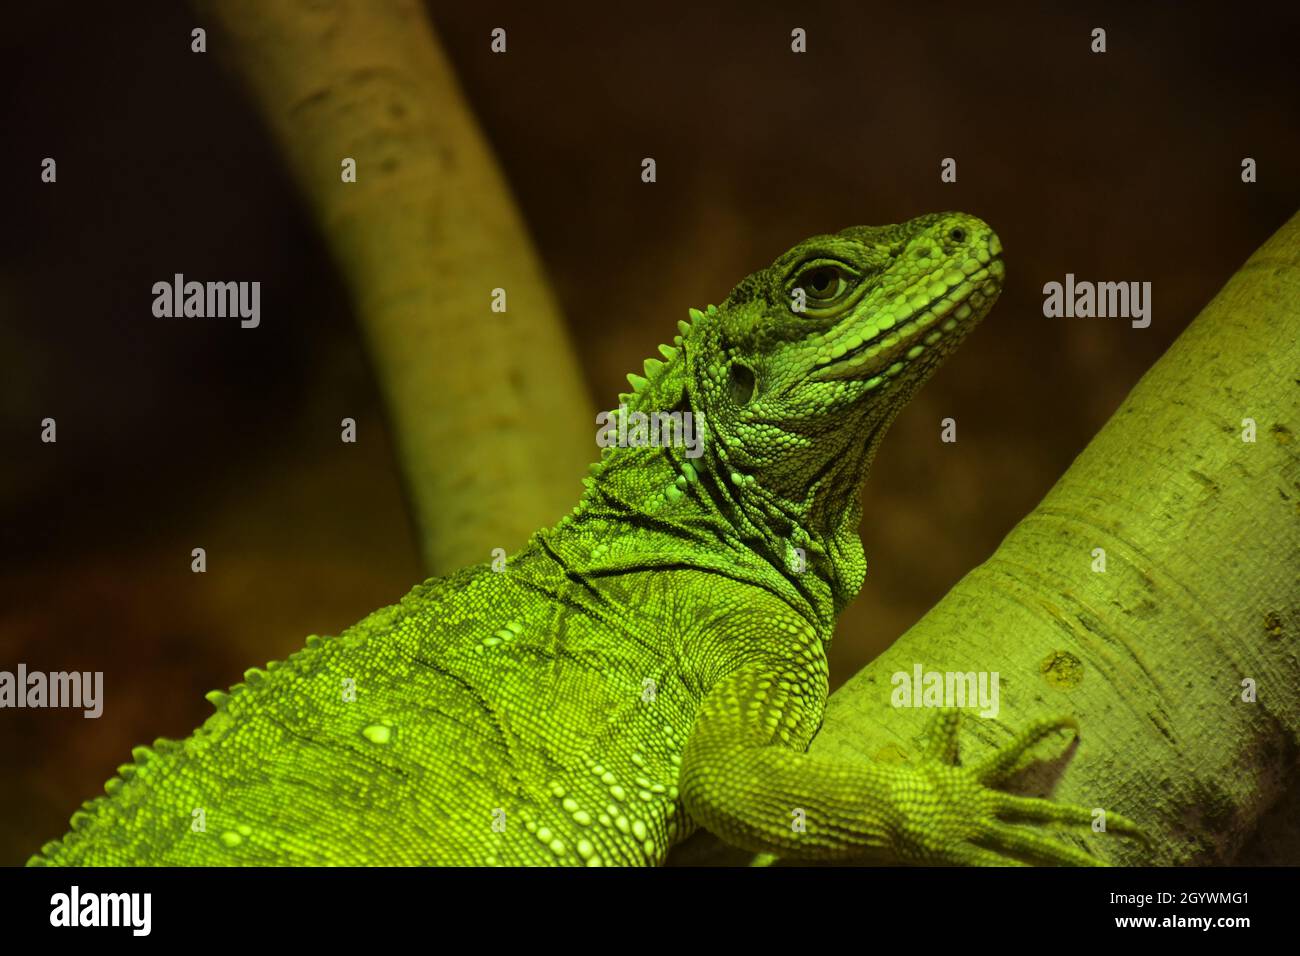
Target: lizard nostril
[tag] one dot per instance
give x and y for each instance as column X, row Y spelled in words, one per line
column 958, row 234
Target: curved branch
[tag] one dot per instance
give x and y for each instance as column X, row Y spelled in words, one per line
column 488, row 408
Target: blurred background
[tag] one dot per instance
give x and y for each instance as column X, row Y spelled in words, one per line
column 174, row 435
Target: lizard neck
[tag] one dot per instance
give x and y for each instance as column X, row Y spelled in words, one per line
column 670, row 490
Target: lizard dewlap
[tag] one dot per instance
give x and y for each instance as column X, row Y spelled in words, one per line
column 656, row 661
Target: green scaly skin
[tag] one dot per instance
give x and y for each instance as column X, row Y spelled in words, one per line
column 650, row 664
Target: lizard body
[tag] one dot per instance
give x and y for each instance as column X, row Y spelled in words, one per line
column 650, row 664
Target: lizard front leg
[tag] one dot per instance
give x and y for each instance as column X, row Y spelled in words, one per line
column 745, row 778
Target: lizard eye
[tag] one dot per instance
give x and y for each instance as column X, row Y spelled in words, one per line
column 822, row 286
column 821, row 283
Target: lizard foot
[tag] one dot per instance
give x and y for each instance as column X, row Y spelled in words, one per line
column 954, row 816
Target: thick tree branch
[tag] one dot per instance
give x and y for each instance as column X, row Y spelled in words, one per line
column 1201, row 592
column 1202, row 538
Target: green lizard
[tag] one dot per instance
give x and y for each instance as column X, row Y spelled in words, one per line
column 654, row 662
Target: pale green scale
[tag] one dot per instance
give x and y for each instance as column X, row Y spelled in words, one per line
column 378, row 733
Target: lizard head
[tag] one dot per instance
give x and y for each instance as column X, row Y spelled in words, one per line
column 800, row 371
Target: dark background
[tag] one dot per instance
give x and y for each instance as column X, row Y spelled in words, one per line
column 172, row 435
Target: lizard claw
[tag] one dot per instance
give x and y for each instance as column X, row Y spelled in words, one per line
column 956, row 817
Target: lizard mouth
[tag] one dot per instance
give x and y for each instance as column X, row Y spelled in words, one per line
column 931, row 330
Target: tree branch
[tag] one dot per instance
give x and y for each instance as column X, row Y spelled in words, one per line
column 488, row 408
column 1201, row 532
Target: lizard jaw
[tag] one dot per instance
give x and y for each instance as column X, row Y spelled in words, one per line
column 955, row 312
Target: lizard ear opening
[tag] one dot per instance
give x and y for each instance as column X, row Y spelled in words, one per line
column 741, row 381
